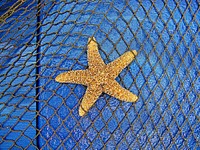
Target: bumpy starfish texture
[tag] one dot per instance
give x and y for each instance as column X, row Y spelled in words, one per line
column 99, row 77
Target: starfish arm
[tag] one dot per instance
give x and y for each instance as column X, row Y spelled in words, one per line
column 120, row 63
column 94, row 58
column 78, row 77
column 114, row 89
column 90, row 97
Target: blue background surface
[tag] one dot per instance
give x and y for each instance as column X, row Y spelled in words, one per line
column 17, row 77
column 164, row 75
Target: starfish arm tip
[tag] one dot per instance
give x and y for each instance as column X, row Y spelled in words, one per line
column 130, row 98
column 60, row 78
column 81, row 112
column 57, row 79
column 134, row 98
column 134, row 52
column 91, row 39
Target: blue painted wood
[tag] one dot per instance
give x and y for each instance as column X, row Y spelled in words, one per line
column 17, row 81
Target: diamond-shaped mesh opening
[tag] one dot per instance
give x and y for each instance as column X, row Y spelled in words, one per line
column 41, row 39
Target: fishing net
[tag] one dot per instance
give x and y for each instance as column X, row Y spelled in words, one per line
column 39, row 39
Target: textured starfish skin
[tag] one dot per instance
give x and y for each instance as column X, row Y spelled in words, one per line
column 99, row 77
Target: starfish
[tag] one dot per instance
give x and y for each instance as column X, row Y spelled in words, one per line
column 99, row 77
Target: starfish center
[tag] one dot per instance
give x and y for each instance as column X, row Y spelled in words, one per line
column 100, row 77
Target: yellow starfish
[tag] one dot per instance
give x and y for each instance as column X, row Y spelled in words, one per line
column 99, row 77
